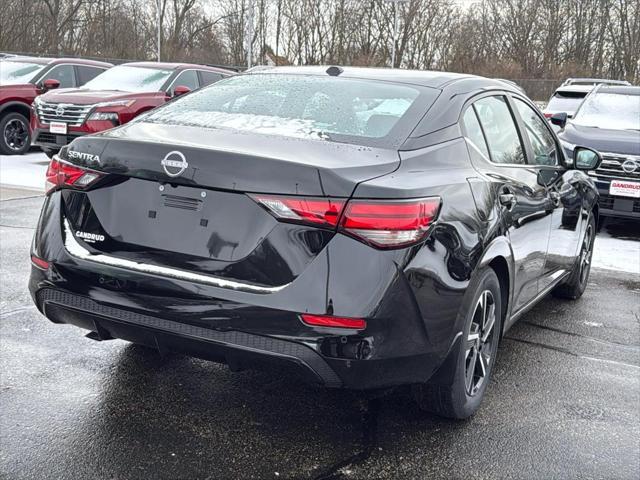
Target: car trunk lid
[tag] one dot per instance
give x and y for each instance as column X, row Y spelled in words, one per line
column 193, row 213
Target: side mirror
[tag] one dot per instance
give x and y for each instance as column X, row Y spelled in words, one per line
column 586, row 158
column 50, row 84
column 559, row 119
column 180, row 90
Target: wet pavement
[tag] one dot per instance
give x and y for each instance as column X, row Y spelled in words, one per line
column 564, row 401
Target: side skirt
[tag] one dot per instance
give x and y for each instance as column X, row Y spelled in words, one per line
column 531, row 303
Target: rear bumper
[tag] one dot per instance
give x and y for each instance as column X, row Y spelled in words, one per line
column 238, row 349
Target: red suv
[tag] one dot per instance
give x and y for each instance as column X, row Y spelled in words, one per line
column 22, row 79
column 113, row 98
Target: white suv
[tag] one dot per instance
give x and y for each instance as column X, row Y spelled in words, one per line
column 568, row 97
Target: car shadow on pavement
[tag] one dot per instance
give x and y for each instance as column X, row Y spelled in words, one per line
column 193, row 416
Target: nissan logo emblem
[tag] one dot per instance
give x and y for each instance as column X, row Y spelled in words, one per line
column 60, row 110
column 174, row 164
column 630, row 166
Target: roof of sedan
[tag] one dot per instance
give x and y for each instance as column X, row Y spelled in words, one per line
column 48, row 60
column 426, row 78
column 176, row 66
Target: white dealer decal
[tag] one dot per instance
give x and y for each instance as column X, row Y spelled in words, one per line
column 90, row 237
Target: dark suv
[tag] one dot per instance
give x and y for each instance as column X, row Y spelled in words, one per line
column 22, row 79
column 609, row 121
column 114, row 98
column 366, row 227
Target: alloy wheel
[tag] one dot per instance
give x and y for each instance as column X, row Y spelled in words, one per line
column 478, row 354
column 15, row 134
column 585, row 253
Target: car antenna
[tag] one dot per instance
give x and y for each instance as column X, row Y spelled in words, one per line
column 334, row 71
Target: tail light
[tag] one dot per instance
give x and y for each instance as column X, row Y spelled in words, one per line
column 310, row 210
column 390, row 224
column 62, row 174
column 379, row 223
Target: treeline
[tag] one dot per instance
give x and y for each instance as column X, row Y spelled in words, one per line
column 518, row 39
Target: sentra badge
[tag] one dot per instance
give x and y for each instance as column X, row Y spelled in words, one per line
column 87, row 157
column 90, row 237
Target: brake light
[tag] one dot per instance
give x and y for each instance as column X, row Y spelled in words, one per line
column 335, row 322
column 316, row 211
column 61, row 174
column 379, row 223
column 390, row 224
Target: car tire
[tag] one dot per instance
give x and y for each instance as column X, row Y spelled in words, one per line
column 15, row 134
column 474, row 358
column 49, row 152
column 575, row 285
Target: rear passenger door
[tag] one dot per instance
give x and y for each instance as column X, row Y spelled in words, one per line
column 499, row 153
column 563, row 190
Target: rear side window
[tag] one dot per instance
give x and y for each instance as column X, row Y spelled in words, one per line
column 87, row 73
column 542, row 142
column 500, row 129
column 304, row 106
column 207, row 78
column 474, row 131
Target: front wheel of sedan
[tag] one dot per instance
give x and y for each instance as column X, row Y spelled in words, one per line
column 476, row 354
column 574, row 286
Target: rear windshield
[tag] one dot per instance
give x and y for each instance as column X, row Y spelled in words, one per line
column 130, row 79
column 566, row 101
column 314, row 107
column 610, row 110
column 14, row 73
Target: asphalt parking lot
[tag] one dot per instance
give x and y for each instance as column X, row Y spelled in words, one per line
column 564, row 401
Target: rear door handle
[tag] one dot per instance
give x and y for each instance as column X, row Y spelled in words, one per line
column 508, row 200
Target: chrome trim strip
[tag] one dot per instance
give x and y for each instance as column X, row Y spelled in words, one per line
column 78, row 251
column 598, row 173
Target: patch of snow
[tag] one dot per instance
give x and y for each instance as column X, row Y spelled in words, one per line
column 27, row 171
column 618, row 254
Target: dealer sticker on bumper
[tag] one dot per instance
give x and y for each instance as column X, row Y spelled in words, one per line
column 625, row 189
column 58, row 127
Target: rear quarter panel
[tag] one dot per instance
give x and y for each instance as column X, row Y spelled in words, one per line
column 425, row 283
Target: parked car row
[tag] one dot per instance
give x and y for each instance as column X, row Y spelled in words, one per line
column 604, row 115
column 49, row 102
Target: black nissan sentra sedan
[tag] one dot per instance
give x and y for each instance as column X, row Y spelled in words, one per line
column 366, row 228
